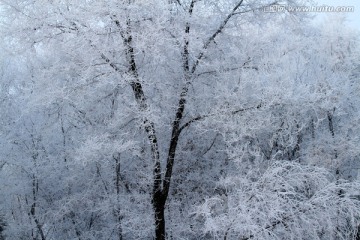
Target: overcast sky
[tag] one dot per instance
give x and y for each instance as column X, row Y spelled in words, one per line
column 353, row 17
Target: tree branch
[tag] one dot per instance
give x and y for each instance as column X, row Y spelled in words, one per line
column 229, row 69
column 180, row 110
column 141, row 100
column 201, row 117
column 259, row 8
column 211, row 145
column 214, row 35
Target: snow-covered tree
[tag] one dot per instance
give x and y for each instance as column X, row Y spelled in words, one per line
column 286, row 201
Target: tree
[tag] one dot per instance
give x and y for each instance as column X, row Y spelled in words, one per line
column 305, row 130
column 287, row 201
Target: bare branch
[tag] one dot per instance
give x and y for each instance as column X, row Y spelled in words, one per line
column 211, row 145
column 228, row 70
column 214, row 35
column 254, row 9
column 107, row 60
column 201, row 117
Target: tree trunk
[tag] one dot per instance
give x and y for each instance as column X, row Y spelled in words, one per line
column 159, row 208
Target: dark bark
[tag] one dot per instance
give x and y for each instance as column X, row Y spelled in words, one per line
column 331, row 125
column 331, row 129
column 118, row 214
column 35, row 188
column 159, row 208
